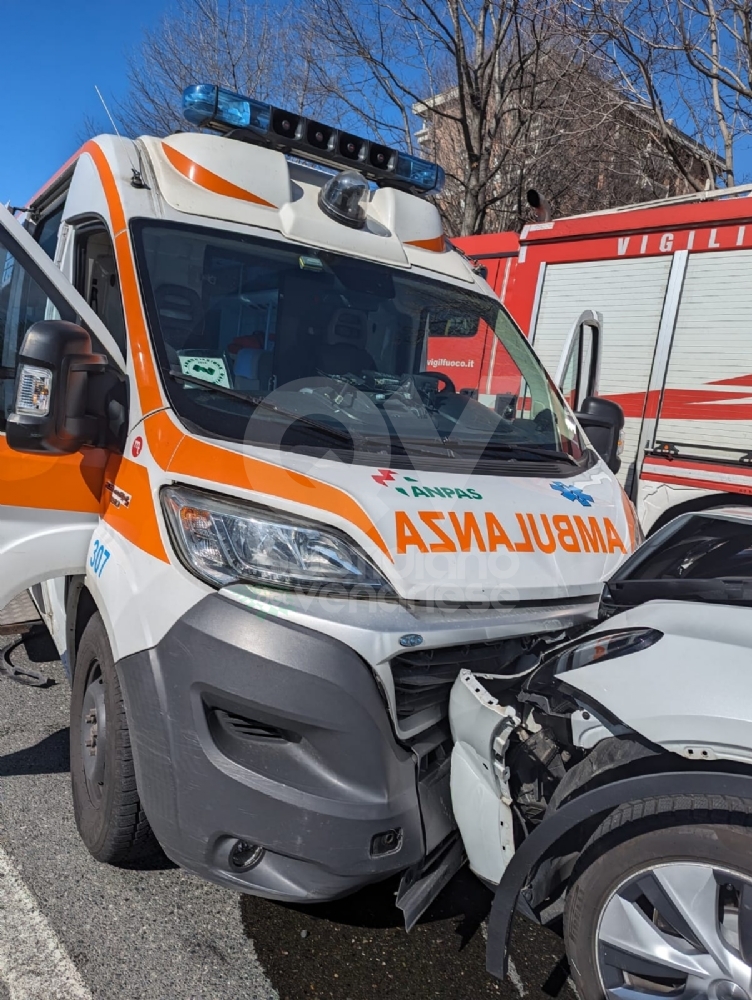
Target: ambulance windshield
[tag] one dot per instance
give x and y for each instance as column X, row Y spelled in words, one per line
column 286, row 346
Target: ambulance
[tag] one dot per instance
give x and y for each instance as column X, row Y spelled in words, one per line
column 648, row 306
column 265, row 533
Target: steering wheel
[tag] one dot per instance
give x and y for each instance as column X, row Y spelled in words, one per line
column 449, row 386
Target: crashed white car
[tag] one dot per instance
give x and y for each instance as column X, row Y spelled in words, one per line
column 609, row 781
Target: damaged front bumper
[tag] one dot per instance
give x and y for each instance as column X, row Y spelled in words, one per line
column 521, row 792
column 481, row 798
column 498, row 742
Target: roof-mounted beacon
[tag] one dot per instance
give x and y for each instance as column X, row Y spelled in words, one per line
column 244, row 118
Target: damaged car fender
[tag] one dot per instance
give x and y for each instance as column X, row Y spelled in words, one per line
column 690, row 692
column 580, row 813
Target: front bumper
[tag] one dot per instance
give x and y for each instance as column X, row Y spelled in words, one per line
column 252, row 728
column 266, row 719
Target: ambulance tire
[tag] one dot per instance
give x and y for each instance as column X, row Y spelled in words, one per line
column 667, row 837
column 106, row 804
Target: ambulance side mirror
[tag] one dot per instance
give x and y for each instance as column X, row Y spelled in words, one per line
column 50, row 412
column 603, row 422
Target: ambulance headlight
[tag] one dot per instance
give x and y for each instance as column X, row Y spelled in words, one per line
column 224, row 542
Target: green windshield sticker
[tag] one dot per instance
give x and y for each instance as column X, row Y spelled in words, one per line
column 210, row 369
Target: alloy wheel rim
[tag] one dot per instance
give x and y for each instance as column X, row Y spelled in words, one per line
column 681, row 929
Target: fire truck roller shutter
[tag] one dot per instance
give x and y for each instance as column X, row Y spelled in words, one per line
column 707, row 402
column 630, row 295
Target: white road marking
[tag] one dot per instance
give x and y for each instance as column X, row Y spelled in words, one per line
column 516, row 979
column 33, row 963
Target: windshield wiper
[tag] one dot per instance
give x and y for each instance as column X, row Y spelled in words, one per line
column 531, row 449
column 411, row 446
column 261, row 401
column 225, row 390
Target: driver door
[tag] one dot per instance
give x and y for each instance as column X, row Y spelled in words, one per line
column 49, row 504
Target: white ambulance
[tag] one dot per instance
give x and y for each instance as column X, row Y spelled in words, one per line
column 264, row 533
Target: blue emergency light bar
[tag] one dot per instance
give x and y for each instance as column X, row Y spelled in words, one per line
column 242, row 117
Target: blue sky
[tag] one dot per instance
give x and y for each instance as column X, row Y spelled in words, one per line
column 54, row 52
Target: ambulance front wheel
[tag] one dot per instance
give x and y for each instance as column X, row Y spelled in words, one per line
column 106, row 804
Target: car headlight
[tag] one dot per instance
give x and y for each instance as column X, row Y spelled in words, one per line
column 543, row 686
column 224, row 542
column 605, row 646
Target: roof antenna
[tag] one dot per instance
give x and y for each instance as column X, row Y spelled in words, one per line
column 137, row 180
column 107, row 111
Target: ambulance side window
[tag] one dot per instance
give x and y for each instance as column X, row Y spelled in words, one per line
column 97, row 279
column 22, row 303
column 46, row 233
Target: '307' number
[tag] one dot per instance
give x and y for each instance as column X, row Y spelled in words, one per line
column 99, row 558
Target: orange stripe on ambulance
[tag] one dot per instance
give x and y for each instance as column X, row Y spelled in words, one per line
column 469, row 532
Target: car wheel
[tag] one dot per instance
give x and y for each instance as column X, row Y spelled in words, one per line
column 106, row 805
column 661, row 904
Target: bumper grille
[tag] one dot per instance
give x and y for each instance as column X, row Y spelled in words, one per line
column 423, row 678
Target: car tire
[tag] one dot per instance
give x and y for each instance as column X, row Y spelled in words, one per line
column 663, row 889
column 106, row 804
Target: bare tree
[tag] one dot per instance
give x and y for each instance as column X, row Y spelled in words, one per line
column 368, row 66
column 508, row 94
column 689, row 63
column 582, row 144
column 505, row 94
column 252, row 48
column 467, row 64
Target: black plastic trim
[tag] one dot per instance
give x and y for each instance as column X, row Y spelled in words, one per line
column 491, row 256
column 317, row 775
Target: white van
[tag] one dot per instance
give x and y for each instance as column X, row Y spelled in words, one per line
column 264, row 537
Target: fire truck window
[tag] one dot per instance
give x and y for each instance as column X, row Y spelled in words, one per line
column 98, row 281
column 22, row 303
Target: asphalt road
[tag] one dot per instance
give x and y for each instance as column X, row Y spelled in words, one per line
column 73, row 929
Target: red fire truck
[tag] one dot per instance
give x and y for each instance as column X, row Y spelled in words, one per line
column 650, row 306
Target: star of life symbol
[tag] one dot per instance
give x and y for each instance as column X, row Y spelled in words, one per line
column 573, row 493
